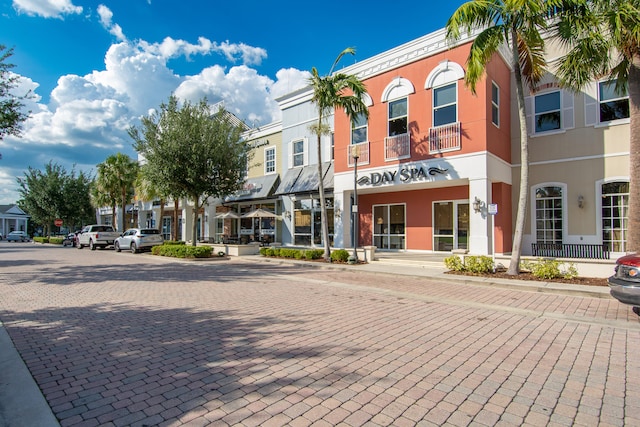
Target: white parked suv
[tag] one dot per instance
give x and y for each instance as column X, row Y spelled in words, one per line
column 138, row 239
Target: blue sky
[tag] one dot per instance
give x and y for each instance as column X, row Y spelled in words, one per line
column 96, row 68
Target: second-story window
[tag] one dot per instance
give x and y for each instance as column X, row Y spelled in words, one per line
column 445, row 108
column 297, row 153
column 269, row 160
column 613, row 104
column 547, row 109
column 398, row 117
column 495, row 104
column 359, row 129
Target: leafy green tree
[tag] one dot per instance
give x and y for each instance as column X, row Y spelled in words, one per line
column 114, row 183
column 55, row 193
column 519, row 24
column 11, row 106
column 333, row 91
column 192, row 151
column 603, row 38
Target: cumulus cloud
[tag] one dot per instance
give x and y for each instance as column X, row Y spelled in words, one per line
column 87, row 116
column 46, row 8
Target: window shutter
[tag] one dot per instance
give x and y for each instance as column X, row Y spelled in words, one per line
column 290, row 155
column 528, row 108
column 568, row 119
column 590, row 105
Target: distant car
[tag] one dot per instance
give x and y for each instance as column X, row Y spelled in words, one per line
column 69, row 240
column 138, row 239
column 625, row 283
column 18, row 236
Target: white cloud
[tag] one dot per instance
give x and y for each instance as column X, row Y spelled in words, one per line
column 46, row 8
column 106, row 16
column 171, row 48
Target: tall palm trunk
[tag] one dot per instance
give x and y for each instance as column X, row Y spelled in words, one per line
column 633, row 237
column 323, row 205
column 514, row 264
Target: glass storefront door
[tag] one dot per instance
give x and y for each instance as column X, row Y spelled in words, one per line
column 389, row 226
column 450, row 225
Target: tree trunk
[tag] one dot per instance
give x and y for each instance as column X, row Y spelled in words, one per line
column 124, row 210
column 159, row 225
column 516, row 249
column 323, row 204
column 633, row 233
column 114, row 219
column 194, row 226
column 176, row 205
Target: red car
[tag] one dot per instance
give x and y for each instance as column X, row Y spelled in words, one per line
column 625, row 283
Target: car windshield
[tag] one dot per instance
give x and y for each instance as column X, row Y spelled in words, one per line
column 149, row 231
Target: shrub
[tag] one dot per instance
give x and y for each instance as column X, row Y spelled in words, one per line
column 182, row 251
column 56, row 240
column 472, row 263
column 263, row 251
column 544, row 268
column 41, row 239
column 340, row 255
column 479, row 264
column 299, row 254
column 288, row 253
column 454, row 263
column 313, row 253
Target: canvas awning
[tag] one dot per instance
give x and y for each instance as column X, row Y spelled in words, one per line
column 256, row 188
column 305, row 179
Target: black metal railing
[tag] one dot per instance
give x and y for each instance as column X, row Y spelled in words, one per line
column 571, row 250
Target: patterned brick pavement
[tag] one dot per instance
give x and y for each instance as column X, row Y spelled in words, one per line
column 132, row 340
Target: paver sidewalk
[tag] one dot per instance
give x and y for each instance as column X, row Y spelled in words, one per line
column 130, row 340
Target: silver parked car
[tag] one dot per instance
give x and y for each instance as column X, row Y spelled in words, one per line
column 625, row 283
column 138, row 239
column 18, row 236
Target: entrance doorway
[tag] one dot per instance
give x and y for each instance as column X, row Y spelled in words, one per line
column 450, row 225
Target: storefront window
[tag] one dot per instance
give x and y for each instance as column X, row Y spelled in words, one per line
column 389, row 226
column 549, row 215
column 308, row 223
column 450, row 225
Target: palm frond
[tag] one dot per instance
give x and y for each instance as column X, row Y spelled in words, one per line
column 531, row 56
column 472, row 15
column 482, row 49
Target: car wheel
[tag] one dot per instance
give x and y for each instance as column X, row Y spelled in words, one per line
column 133, row 248
column 78, row 244
column 91, row 245
column 117, row 247
column 636, row 310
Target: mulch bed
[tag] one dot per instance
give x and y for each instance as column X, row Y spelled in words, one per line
column 502, row 274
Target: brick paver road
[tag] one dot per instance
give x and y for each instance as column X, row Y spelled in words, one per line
column 122, row 339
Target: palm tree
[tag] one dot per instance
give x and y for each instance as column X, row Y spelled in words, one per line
column 116, row 178
column 518, row 23
column 145, row 190
column 604, row 40
column 329, row 92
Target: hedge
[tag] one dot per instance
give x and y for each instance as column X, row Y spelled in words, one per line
column 308, row 254
column 39, row 239
column 182, row 251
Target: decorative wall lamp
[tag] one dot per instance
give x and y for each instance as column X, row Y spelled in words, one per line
column 337, row 212
column 580, row 201
column 287, row 214
column 477, row 204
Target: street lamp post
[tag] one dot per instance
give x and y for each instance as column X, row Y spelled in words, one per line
column 355, row 153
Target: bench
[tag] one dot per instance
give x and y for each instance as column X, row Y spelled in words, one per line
column 571, row 250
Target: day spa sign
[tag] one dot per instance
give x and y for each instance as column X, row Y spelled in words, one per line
column 404, row 175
